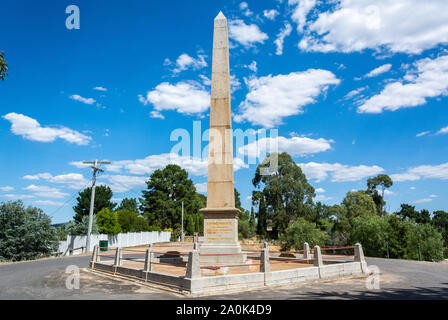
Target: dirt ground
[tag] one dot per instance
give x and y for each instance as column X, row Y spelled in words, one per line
column 134, row 257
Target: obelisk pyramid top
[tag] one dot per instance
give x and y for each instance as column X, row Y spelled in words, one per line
column 220, row 16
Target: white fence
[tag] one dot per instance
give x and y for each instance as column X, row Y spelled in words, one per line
column 75, row 244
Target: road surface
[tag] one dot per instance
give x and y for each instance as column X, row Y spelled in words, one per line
column 46, row 279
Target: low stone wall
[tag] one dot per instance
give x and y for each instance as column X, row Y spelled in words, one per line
column 195, row 284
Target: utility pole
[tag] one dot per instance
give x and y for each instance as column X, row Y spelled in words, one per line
column 182, row 224
column 92, row 197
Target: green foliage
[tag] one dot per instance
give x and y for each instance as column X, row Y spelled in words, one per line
column 440, row 222
column 103, row 196
column 359, row 204
column 286, row 192
column 108, row 222
column 161, row 202
column 384, row 181
column 74, row 228
column 431, row 243
column 128, row 205
column 408, row 212
column 302, row 231
column 131, row 221
column 25, row 233
column 371, row 232
column 3, row 66
column 154, row 228
column 61, row 232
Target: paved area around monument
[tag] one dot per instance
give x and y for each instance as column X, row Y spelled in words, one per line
column 45, row 279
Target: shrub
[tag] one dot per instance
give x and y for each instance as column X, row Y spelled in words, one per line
column 108, row 222
column 302, row 231
column 25, row 233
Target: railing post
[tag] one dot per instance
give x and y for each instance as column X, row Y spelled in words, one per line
column 306, row 251
column 264, row 257
column 118, row 257
column 318, row 262
column 193, row 265
column 359, row 257
column 149, row 259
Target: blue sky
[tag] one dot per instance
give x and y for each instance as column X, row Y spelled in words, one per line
column 355, row 88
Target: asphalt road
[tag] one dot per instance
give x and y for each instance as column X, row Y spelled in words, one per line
column 46, row 279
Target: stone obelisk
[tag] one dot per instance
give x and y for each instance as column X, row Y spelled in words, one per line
column 220, row 216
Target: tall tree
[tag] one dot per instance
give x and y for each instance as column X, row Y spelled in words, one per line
column 161, row 203
column 103, row 196
column 3, row 66
column 383, row 181
column 128, row 204
column 286, row 191
column 408, row 212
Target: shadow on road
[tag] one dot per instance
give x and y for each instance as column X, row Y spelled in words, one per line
column 417, row 293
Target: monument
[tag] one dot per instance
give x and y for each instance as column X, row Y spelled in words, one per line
column 220, row 215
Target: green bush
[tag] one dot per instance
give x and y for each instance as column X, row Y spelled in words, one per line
column 25, row 233
column 131, row 221
column 302, row 231
column 80, row 229
column 108, row 222
column 371, row 232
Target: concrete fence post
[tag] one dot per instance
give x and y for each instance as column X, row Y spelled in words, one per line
column 193, row 265
column 318, row 262
column 95, row 257
column 306, row 251
column 149, row 260
column 359, row 257
column 264, row 257
column 118, row 257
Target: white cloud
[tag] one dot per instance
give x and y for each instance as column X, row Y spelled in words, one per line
column 423, row 200
column 100, row 89
column 412, row 188
column 245, row 8
column 48, row 203
column 17, row 196
column 408, row 26
column 70, row 180
column 201, row 187
column 146, row 166
column 183, row 97
column 245, row 34
column 388, row 192
column 320, row 190
column 301, row 11
column 286, row 31
column 156, row 114
column 184, row 62
column 421, row 134
column 433, row 196
column 354, row 92
column 252, row 66
column 295, row 146
column 46, row 192
column 321, row 197
column 123, row 183
column 339, row 172
column 377, row 71
column 38, row 176
column 30, row 129
column 6, row 188
column 428, row 80
column 272, row 98
column 270, row 14
column 77, row 97
column 443, row 130
column 423, row 172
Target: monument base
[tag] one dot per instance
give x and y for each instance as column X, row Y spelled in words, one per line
column 221, row 246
